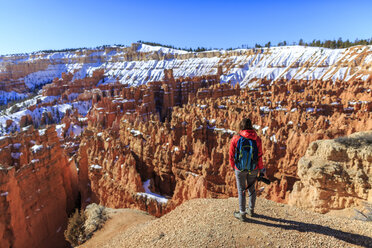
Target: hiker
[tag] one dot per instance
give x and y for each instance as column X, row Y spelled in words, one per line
column 245, row 157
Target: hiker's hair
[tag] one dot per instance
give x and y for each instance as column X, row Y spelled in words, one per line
column 246, row 124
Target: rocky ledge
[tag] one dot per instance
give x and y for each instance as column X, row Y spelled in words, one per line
column 335, row 174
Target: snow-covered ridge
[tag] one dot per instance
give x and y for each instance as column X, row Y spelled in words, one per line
column 142, row 63
column 146, row 48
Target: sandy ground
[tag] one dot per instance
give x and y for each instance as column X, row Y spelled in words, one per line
column 119, row 221
column 210, row 223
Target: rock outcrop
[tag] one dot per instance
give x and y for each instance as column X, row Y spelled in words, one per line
column 38, row 189
column 335, row 174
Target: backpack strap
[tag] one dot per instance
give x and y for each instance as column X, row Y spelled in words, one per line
column 250, row 154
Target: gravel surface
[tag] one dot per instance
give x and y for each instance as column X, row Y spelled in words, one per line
column 210, row 223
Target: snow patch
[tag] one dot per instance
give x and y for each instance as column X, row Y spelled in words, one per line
column 59, row 129
column 42, row 132
column 16, row 155
column 191, row 173
column 264, row 130
column 96, row 167
column 36, row 148
column 212, row 122
column 257, row 127
column 149, row 194
column 135, row 132
column 273, row 138
column 17, row 145
column 223, row 130
column 265, row 109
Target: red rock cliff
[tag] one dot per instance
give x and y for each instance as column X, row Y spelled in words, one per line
column 38, row 188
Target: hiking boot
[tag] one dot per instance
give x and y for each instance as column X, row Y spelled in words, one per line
column 250, row 212
column 240, row 216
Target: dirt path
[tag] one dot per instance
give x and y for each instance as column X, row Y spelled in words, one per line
column 210, row 223
column 120, row 220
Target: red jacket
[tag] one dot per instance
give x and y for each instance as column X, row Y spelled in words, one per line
column 249, row 134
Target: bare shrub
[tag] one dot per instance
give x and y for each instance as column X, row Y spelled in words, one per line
column 82, row 224
column 96, row 216
column 355, row 142
column 75, row 232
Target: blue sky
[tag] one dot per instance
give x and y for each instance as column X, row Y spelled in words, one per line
column 27, row 26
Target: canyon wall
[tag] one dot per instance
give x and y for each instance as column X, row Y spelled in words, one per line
column 154, row 146
column 38, row 189
column 136, row 154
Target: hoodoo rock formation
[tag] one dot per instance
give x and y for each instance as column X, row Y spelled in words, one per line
column 38, row 189
column 163, row 137
column 153, row 135
column 335, row 174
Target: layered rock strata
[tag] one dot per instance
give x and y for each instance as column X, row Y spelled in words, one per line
column 38, row 189
column 335, row 174
column 140, row 64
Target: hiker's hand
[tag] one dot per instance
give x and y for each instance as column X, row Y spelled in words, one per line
column 263, row 172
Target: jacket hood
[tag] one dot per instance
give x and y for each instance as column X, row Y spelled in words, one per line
column 249, row 134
